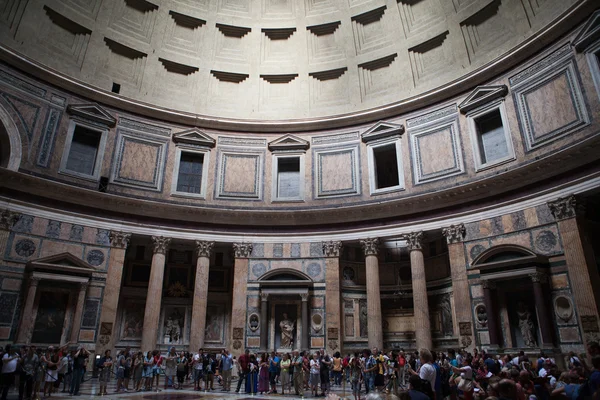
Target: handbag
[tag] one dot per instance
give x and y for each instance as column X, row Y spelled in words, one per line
column 466, row 385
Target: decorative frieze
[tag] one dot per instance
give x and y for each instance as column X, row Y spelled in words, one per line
column 119, row 239
column 204, row 248
column 242, row 250
column 8, row 219
column 332, row 248
column 563, row 207
column 414, row 240
column 370, row 246
column 161, row 244
column 454, row 233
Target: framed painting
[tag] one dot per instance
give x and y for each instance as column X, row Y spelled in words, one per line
column 215, row 324
column 50, row 318
column 132, row 319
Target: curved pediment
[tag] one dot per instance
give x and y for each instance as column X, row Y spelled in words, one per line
column 508, row 254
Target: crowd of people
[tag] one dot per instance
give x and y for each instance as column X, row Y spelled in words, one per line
column 420, row 375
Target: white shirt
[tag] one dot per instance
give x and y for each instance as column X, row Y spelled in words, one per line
column 11, row 366
column 314, row 366
column 468, row 374
column 427, row 372
column 63, row 365
column 197, row 362
column 543, row 373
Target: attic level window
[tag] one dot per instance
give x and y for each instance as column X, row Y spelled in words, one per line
column 189, row 178
column 116, row 88
column 386, row 166
column 84, row 149
column 288, row 177
column 491, row 138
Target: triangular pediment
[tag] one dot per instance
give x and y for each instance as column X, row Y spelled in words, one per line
column 382, row 130
column 288, row 142
column 482, row 95
column 194, row 136
column 589, row 33
column 61, row 263
column 92, row 112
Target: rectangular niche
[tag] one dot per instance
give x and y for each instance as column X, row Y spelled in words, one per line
column 329, row 88
column 123, row 64
column 431, row 59
column 369, row 30
column 549, row 99
column 324, row 44
column 337, row 172
column 278, row 9
column 278, row 46
column 420, row 15
column 134, row 19
column 278, row 90
column 139, row 160
column 379, row 77
column 236, row 8
column 435, row 145
column 240, row 175
column 319, row 7
column 183, row 34
column 66, row 37
column 230, row 45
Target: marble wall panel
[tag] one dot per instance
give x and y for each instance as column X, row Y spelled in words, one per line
column 12, row 285
column 240, row 175
column 559, row 281
column 337, row 171
column 52, row 247
column 8, row 304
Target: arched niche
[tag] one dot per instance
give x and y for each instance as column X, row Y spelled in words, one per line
column 10, row 142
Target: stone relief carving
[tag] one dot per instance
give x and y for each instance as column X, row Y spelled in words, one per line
column 118, row 239
column 317, row 323
column 563, row 308
column 348, row 275
column 414, row 240
column 8, row 219
column 204, row 248
column 526, row 325
column 253, row 322
column 95, row 258
column 161, row 244
column 242, row 250
column 563, row 207
column 370, row 246
column 25, row 248
column 332, row 248
column 454, row 233
column 446, row 308
column 481, row 315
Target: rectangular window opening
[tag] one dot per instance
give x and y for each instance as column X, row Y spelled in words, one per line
column 116, row 88
column 386, row 166
column 490, row 137
column 189, row 178
column 84, row 150
column 288, row 177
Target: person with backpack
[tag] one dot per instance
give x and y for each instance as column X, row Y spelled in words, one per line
column 337, row 369
column 370, row 366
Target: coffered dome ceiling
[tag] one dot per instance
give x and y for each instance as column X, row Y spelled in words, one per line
column 259, row 61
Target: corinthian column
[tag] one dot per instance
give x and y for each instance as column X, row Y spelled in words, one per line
column 203, row 249
column 332, row 251
column 375, row 328
column 108, row 315
column 242, row 252
column 26, row 326
column 78, row 312
column 154, row 296
column 419, row 286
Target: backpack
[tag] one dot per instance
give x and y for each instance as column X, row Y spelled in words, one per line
column 401, row 361
column 584, row 391
column 345, row 362
column 425, row 387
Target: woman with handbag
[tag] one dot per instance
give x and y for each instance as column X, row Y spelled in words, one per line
column 465, row 381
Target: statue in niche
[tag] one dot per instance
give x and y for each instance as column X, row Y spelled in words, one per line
column 446, row 308
column 287, row 332
column 526, row 325
column 481, row 315
column 363, row 317
column 174, row 327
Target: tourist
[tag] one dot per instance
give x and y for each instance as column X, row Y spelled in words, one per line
column 79, row 362
column 356, row 375
column 181, row 369
column 157, row 361
column 226, row 369
column 379, row 380
column 392, row 373
column 285, row 364
column 297, row 364
column 402, row 368
column 40, row 374
column 325, row 361
column 252, row 376
column 68, row 377
column 465, row 381
column 315, row 376
column 273, row 371
column 337, row 369
column 147, row 372
column 170, row 367
column 370, row 366
column 50, row 362
column 127, row 367
column 104, row 366
column 10, row 360
column 198, row 369
column 243, row 369
column 263, row 373
column 427, row 370
column 137, row 371
column 210, row 366
column 29, row 364
column 415, row 389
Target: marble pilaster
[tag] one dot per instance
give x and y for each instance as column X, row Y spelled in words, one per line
column 79, row 306
column 155, row 290
column 539, row 281
column 108, row 314
column 26, row 326
column 375, row 325
column 264, row 323
column 419, row 286
column 332, row 251
column 242, row 252
column 203, row 250
column 489, row 291
column 304, row 338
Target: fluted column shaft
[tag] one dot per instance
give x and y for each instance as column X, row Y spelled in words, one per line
column 78, row 313
column 154, row 296
column 242, row 252
column 264, row 323
column 489, row 289
column 375, row 326
column 203, row 249
column 419, row 287
column 539, row 282
column 305, row 326
column 114, row 276
column 26, row 326
column 332, row 250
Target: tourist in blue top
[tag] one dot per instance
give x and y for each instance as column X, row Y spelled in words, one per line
column 227, row 367
column 273, row 371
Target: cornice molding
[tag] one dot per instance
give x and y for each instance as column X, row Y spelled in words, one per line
column 563, row 24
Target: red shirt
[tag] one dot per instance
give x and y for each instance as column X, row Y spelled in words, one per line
column 244, row 360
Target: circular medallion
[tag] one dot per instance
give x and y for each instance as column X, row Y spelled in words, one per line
column 25, row 248
column 314, row 269
column 545, row 240
column 259, row 269
column 237, row 344
column 95, row 258
column 476, row 250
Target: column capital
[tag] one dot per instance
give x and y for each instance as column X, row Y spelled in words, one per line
column 161, row 244
column 563, row 207
column 83, row 286
column 34, row 281
column 454, row 233
column 487, row 284
column 119, row 239
column 8, row 219
column 304, row 296
column 204, row 248
column 332, row 248
column 414, row 240
column 370, row 246
column 264, row 296
column 242, row 250
column 539, row 277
